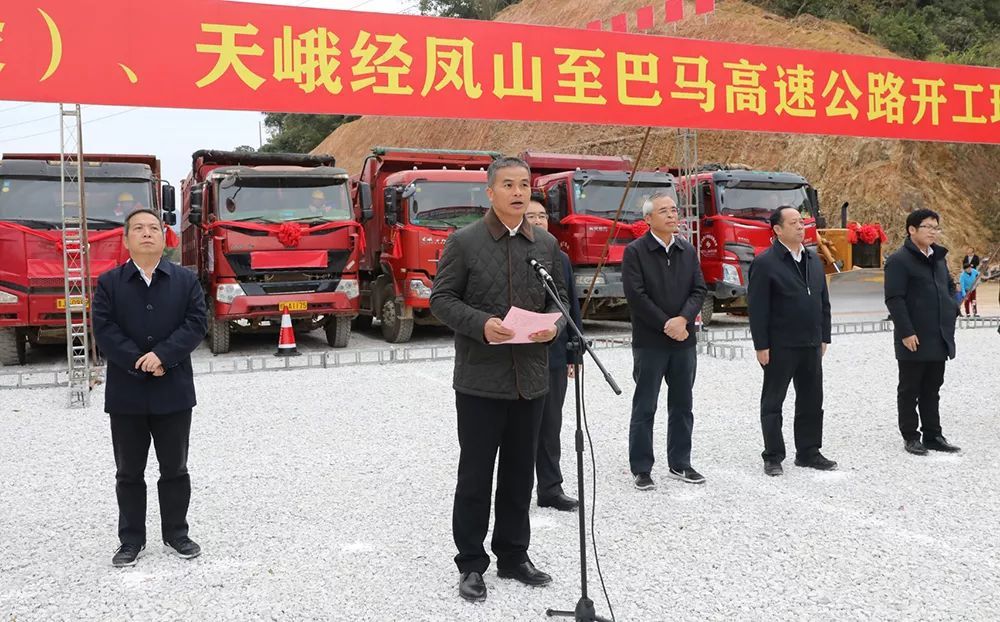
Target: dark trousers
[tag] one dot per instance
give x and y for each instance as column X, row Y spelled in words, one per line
column 130, row 436
column 547, row 469
column 919, row 385
column 804, row 368
column 486, row 427
column 650, row 368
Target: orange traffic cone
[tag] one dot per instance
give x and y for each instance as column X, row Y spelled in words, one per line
column 286, row 337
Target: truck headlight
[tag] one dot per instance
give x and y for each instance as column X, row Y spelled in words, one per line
column 584, row 280
column 227, row 292
column 348, row 287
column 730, row 273
column 6, row 298
column 419, row 289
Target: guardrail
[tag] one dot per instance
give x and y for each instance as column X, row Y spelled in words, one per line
column 712, row 342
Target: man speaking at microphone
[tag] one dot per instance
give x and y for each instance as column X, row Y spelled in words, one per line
column 499, row 388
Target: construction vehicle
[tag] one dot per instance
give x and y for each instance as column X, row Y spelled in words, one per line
column 32, row 274
column 411, row 200
column 583, row 194
column 734, row 205
column 267, row 232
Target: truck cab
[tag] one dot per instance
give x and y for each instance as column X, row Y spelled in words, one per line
column 32, row 281
column 582, row 195
column 270, row 232
column 411, row 200
column 735, row 207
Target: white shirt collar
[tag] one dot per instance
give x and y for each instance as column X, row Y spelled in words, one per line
column 930, row 251
column 513, row 231
column 796, row 256
column 148, row 278
column 665, row 245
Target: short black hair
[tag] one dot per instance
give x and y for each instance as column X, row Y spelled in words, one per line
column 776, row 217
column 142, row 210
column 917, row 216
column 504, row 162
column 538, row 197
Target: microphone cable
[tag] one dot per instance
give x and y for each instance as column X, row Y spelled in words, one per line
column 593, row 492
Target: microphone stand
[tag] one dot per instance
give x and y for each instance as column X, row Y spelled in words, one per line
column 584, row 611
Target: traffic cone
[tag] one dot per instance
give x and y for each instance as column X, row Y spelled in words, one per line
column 286, row 337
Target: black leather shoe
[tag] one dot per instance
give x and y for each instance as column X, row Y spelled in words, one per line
column 184, row 547
column 526, row 573
column 915, row 447
column 816, row 461
column 471, row 587
column 940, row 443
column 773, row 468
column 560, row 502
column 126, row 555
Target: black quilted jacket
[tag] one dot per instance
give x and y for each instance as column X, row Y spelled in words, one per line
column 482, row 273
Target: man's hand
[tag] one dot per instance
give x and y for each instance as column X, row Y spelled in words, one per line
column 911, row 343
column 159, row 371
column 822, row 349
column 676, row 328
column 496, row 332
column 543, row 336
column 148, row 362
column 764, row 356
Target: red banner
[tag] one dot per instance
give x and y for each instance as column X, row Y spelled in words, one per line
column 229, row 55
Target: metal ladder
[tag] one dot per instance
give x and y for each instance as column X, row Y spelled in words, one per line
column 690, row 199
column 76, row 256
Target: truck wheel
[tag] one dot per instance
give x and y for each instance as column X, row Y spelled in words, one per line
column 707, row 309
column 13, row 347
column 338, row 331
column 394, row 328
column 218, row 336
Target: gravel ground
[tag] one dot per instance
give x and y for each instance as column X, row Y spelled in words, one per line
column 325, row 495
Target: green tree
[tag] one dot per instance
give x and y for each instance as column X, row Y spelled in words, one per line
column 299, row 133
column 467, row 9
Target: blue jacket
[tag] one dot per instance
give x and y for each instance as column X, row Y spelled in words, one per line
column 967, row 280
column 167, row 317
column 557, row 349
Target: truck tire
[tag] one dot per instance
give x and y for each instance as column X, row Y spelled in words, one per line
column 218, row 336
column 707, row 308
column 13, row 347
column 338, row 331
column 394, row 328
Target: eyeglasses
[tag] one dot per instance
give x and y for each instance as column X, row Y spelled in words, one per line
column 934, row 228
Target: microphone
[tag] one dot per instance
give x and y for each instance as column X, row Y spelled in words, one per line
column 540, row 269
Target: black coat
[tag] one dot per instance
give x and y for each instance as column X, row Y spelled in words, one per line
column 558, row 356
column 659, row 287
column 167, row 317
column 920, row 296
column 970, row 261
column 785, row 311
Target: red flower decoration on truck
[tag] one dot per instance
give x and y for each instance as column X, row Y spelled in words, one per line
column 289, row 233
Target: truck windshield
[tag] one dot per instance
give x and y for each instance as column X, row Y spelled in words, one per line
column 37, row 201
column 757, row 202
column 276, row 199
column 447, row 203
column 601, row 198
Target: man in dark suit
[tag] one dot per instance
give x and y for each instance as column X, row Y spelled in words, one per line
column 499, row 387
column 970, row 259
column 920, row 295
column 789, row 307
column 149, row 315
column 665, row 290
column 547, row 470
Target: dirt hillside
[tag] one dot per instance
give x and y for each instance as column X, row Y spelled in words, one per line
column 882, row 179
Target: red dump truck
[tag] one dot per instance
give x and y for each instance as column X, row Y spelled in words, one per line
column 583, row 193
column 268, row 232
column 735, row 205
column 32, row 285
column 411, row 200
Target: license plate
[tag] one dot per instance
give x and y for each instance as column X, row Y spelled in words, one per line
column 293, row 305
column 61, row 302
